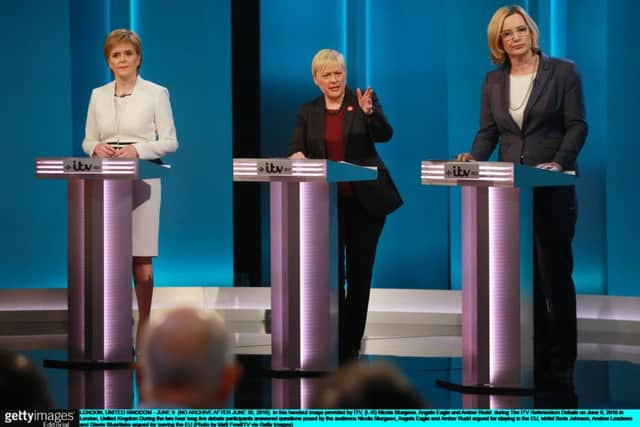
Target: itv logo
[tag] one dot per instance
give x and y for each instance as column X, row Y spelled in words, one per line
column 271, row 167
column 461, row 170
column 79, row 165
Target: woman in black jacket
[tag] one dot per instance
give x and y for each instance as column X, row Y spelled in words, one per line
column 343, row 125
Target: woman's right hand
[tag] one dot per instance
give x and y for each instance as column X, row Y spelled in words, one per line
column 104, row 150
column 297, row 155
column 464, row 157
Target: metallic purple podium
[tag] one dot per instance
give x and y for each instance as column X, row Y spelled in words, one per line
column 304, row 258
column 99, row 273
column 497, row 273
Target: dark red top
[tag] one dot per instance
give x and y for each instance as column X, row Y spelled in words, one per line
column 335, row 144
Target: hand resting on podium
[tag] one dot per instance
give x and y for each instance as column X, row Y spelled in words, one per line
column 550, row 166
column 297, row 155
column 464, row 157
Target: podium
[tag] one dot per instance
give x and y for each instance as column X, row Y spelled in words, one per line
column 497, row 272
column 304, row 257
column 99, row 268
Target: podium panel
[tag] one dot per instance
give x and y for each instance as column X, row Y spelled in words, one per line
column 497, row 274
column 304, row 258
column 99, row 258
column 99, row 269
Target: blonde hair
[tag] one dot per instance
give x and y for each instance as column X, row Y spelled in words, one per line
column 122, row 36
column 325, row 57
column 494, row 33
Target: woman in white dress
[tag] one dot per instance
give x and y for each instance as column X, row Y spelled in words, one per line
column 131, row 118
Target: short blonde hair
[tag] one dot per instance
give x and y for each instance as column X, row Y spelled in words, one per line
column 325, row 57
column 122, row 36
column 494, row 33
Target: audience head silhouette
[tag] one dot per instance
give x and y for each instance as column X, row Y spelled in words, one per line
column 186, row 361
column 22, row 385
column 359, row 386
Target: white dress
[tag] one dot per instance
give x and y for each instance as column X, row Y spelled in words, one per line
column 143, row 118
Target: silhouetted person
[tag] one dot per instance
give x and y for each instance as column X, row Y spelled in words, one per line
column 186, row 361
column 359, row 386
column 22, row 385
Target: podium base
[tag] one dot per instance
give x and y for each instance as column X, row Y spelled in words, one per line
column 88, row 365
column 296, row 374
column 486, row 389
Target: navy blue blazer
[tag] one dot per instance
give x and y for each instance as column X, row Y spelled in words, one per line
column 359, row 135
column 554, row 128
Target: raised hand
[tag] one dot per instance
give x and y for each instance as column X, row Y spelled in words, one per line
column 365, row 100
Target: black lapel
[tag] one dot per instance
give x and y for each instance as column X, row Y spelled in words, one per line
column 349, row 110
column 540, row 82
column 316, row 124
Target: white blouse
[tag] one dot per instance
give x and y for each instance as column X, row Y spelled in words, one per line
column 519, row 92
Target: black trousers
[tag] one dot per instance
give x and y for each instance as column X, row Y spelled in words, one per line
column 358, row 235
column 555, row 323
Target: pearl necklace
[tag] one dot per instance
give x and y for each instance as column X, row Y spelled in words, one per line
column 526, row 95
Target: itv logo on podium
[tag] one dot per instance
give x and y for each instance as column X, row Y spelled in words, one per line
column 461, row 170
column 76, row 165
column 275, row 167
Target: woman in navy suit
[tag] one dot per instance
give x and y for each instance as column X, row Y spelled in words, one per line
column 533, row 106
column 132, row 118
column 345, row 125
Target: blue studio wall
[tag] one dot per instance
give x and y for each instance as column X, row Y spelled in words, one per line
column 56, row 59
column 583, row 36
column 36, row 121
column 373, row 36
column 427, row 60
column 188, row 49
column 467, row 63
column 621, row 138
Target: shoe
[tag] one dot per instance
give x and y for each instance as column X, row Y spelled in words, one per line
column 349, row 357
column 556, row 380
column 549, row 399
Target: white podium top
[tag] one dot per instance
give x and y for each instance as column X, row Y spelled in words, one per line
column 490, row 174
column 98, row 168
column 279, row 169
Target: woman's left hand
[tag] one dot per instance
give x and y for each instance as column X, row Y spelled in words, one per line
column 127, row 152
column 550, row 166
column 365, row 100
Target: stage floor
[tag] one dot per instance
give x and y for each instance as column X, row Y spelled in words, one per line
column 416, row 331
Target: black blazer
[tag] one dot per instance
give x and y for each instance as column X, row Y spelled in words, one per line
column 553, row 126
column 359, row 133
